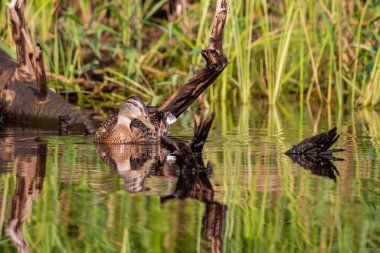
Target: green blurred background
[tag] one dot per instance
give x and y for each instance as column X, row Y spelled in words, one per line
column 98, row 52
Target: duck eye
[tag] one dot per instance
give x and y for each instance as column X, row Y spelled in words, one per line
column 146, row 117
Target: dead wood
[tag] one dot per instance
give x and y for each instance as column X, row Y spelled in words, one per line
column 39, row 70
column 22, row 105
column 7, row 68
column 216, row 61
column 24, row 95
column 201, row 131
column 20, row 33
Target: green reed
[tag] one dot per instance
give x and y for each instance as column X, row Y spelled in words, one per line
column 317, row 50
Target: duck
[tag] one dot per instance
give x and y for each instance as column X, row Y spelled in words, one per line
column 134, row 123
column 138, row 123
column 134, row 162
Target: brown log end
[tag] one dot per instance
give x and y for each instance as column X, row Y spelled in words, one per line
column 20, row 102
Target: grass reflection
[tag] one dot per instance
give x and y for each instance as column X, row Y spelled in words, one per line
column 273, row 204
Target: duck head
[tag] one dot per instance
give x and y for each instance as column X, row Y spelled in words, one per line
column 134, row 108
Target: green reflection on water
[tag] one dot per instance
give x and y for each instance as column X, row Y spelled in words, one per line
column 273, row 205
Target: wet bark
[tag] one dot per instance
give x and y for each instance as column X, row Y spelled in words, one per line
column 216, row 62
column 24, row 96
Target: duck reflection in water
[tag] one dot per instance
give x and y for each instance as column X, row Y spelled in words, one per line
column 135, row 162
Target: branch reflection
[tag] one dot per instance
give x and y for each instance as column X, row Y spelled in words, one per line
column 320, row 165
column 31, row 167
column 134, row 163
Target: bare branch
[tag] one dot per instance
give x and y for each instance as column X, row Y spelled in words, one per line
column 216, row 37
column 216, row 62
column 24, row 69
column 30, row 65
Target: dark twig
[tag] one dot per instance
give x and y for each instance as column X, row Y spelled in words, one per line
column 201, row 131
column 317, row 144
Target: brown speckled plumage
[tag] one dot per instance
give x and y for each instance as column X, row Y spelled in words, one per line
column 111, row 132
column 134, row 162
column 160, row 118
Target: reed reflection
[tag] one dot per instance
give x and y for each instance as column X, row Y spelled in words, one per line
column 174, row 157
column 193, row 182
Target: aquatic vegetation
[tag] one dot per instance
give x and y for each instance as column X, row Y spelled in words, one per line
column 78, row 203
column 57, row 195
column 315, row 50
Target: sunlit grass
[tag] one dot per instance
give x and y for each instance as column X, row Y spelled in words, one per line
column 315, row 50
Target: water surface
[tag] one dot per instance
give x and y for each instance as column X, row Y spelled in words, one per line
column 58, row 195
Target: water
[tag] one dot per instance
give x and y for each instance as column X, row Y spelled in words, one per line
column 58, row 195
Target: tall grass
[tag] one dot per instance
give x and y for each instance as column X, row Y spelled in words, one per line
column 321, row 50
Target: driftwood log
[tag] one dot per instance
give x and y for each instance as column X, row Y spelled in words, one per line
column 25, row 98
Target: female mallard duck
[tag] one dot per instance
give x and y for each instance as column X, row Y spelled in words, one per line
column 136, row 123
column 135, row 162
column 133, row 124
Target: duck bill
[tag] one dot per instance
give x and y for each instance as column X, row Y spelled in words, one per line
column 147, row 122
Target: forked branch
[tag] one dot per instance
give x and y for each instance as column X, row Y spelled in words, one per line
column 216, row 63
